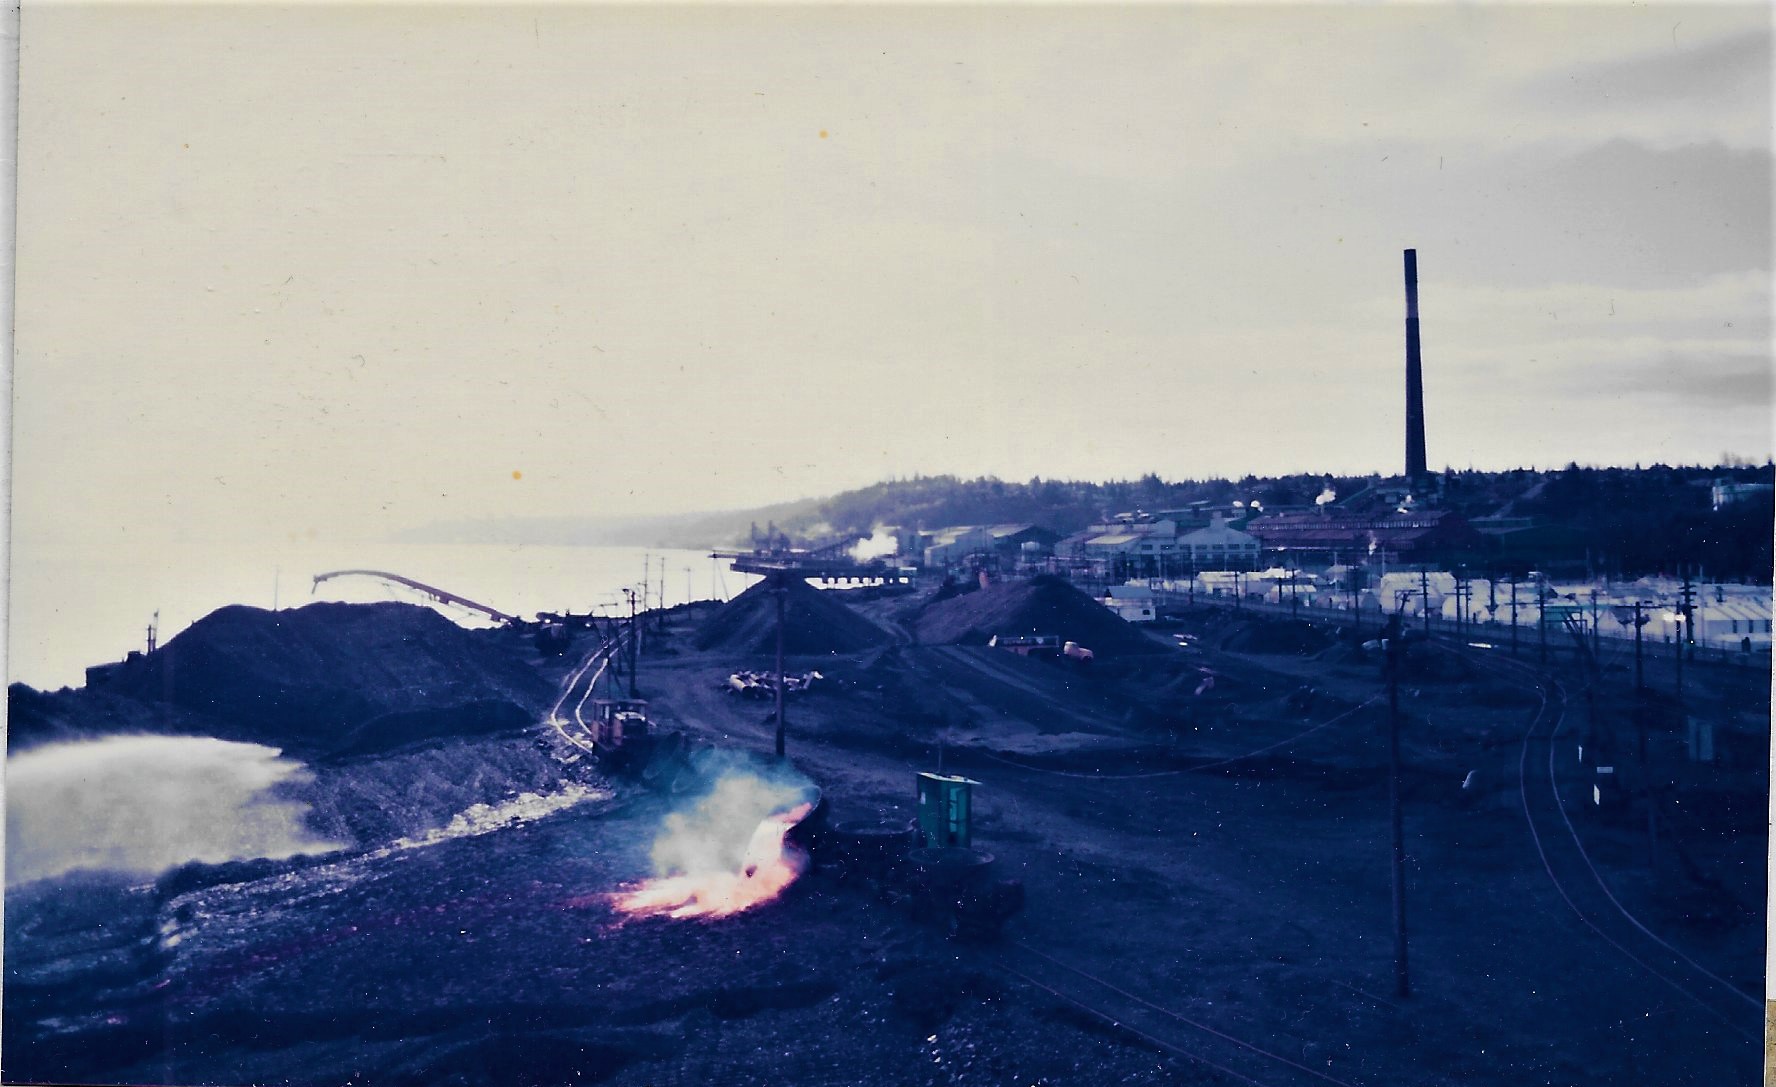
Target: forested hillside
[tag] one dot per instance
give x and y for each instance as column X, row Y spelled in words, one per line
column 1619, row 520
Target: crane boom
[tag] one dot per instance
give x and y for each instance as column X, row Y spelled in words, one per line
column 441, row 595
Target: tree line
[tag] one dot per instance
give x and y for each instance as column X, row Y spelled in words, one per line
column 1625, row 521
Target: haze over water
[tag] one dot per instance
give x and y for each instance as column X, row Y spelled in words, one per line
column 72, row 608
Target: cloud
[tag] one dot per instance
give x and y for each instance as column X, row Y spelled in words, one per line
column 1733, row 381
column 1615, row 211
column 1726, row 68
column 1733, row 306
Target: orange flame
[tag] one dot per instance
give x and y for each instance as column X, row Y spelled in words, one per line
column 771, row 865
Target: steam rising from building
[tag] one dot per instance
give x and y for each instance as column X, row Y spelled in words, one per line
column 880, row 544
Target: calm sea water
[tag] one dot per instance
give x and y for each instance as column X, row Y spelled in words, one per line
column 70, row 609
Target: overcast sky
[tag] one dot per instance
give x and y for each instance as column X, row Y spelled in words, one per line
column 369, row 266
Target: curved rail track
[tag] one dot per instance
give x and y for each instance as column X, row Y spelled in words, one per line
column 1579, row 884
column 599, row 659
column 1162, row 1028
column 1197, row 769
column 1558, row 845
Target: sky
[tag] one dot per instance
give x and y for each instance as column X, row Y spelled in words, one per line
column 344, row 270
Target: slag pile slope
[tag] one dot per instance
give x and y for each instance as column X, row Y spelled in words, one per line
column 813, row 623
column 338, row 678
column 1283, row 637
column 1042, row 605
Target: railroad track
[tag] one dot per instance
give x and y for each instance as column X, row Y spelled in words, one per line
column 1719, row 1007
column 1579, row 884
column 1234, row 1059
column 598, row 659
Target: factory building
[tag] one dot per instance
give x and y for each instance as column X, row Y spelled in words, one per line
column 1331, row 535
column 1219, row 547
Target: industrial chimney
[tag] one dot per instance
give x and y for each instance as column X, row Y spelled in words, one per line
column 1415, row 405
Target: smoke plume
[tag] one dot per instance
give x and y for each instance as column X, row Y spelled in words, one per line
column 880, row 544
column 726, row 852
column 713, row 834
column 142, row 804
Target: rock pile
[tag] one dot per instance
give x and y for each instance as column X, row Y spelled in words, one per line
column 1040, row 605
column 814, row 623
column 1287, row 637
column 323, row 680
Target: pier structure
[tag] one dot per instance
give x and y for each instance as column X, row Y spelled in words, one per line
column 830, row 565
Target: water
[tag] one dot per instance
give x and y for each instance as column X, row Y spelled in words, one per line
column 458, row 882
column 142, row 804
column 74, row 607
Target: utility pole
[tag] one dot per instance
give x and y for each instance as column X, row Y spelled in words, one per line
column 1395, row 633
column 634, row 641
column 1542, row 620
column 1639, row 673
column 1513, row 615
column 1424, row 596
column 1689, row 613
column 1646, row 778
column 1652, row 802
column 1680, row 653
column 780, row 590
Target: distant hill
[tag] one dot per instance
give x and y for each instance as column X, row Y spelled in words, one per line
column 1628, row 520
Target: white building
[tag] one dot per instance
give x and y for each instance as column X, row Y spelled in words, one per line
column 1131, row 602
column 1726, row 493
column 1411, row 592
column 1218, row 547
column 952, row 545
column 1735, row 624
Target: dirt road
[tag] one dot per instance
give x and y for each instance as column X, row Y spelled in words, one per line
column 1232, row 913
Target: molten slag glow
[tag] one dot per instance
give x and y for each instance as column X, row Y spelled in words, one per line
column 770, row 865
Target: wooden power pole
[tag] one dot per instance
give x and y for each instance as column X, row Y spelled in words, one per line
column 780, row 590
column 1402, row 984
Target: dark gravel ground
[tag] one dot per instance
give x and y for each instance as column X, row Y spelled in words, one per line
column 1250, row 898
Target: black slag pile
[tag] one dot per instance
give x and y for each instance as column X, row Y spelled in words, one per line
column 1285, row 637
column 321, row 681
column 814, row 623
column 1044, row 605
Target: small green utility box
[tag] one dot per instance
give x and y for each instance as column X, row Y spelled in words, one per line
column 945, row 808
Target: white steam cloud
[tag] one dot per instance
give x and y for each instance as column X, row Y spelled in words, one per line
column 880, row 545
column 712, row 836
column 143, row 804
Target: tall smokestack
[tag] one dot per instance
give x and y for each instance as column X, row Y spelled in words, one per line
column 1415, row 404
